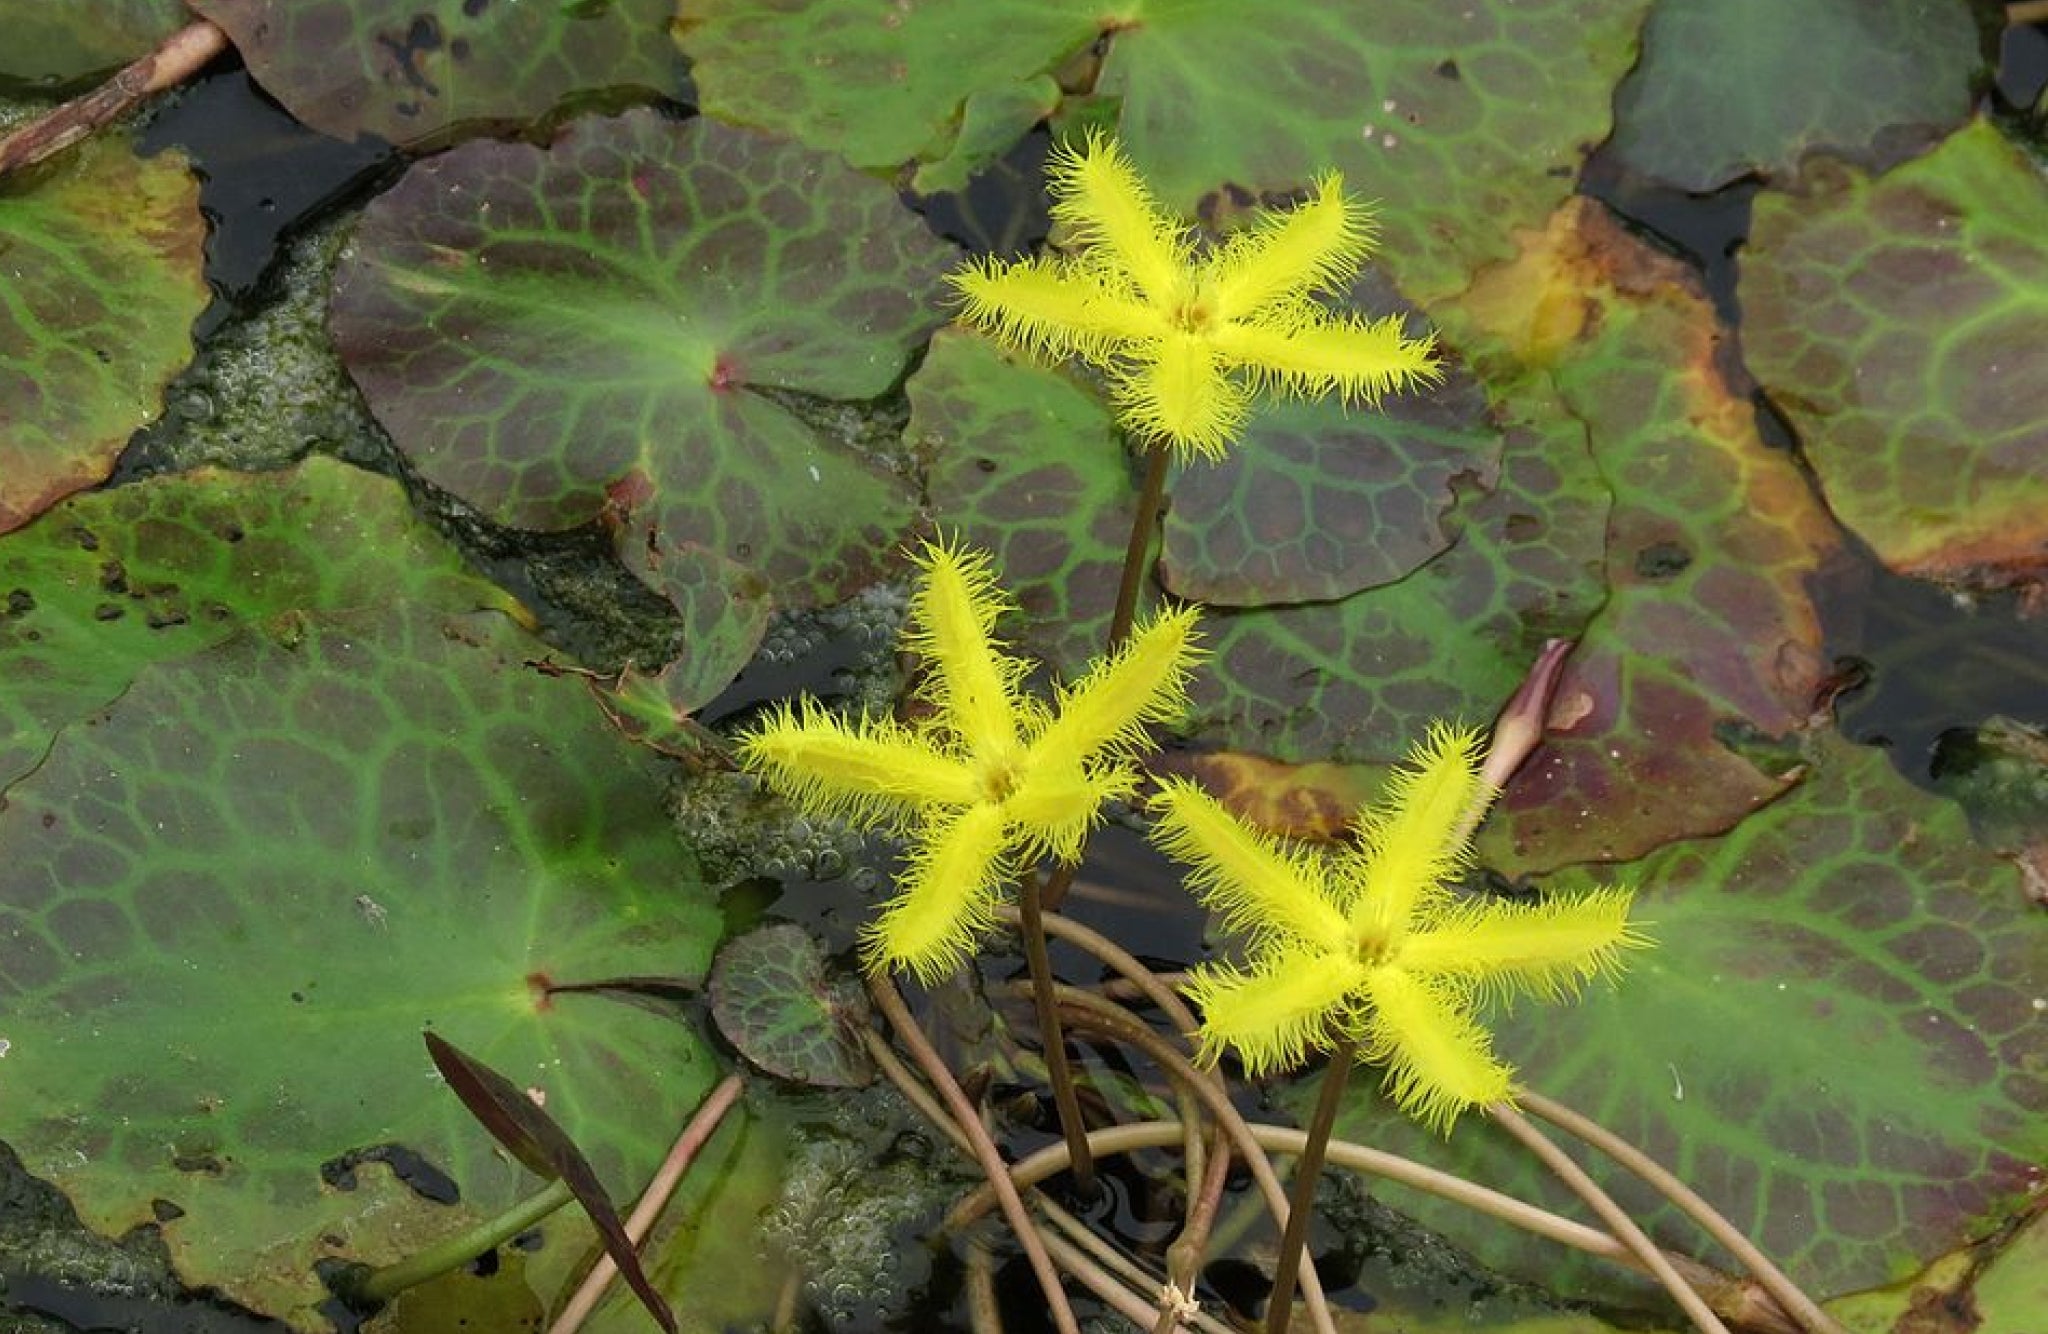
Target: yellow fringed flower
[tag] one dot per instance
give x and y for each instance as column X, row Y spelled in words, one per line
column 1372, row 943
column 989, row 776
column 1187, row 338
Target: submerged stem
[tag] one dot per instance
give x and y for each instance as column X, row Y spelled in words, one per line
column 1308, row 1170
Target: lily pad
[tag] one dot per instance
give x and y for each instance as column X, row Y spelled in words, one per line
column 60, row 44
column 634, row 313
column 231, row 904
column 1875, row 80
column 1837, row 1039
column 102, row 269
column 1315, row 505
column 1464, row 120
column 776, row 998
column 110, row 582
column 411, row 71
column 1708, row 649
column 885, row 85
column 1901, row 322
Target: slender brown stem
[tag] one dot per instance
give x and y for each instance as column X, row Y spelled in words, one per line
column 1772, row 1279
column 1099, row 1015
column 1308, row 1170
column 985, row 1153
column 1031, row 926
column 1184, row 1256
column 1612, row 1214
column 702, row 1125
column 1120, row 961
column 178, row 58
column 983, row 1314
column 1151, row 494
column 2026, row 11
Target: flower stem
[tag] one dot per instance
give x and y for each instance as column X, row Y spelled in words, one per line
column 1119, row 1024
column 1151, row 495
column 1308, row 1170
column 1772, row 1279
column 985, row 1152
column 702, row 1125
column 1617, row 1219
column 1032, row 928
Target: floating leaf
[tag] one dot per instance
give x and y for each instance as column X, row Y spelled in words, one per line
column 1315, row 505
column 1837, row 1039
column 55, row 44
column 776, row 999
column 102, row 268
column 1869, row 79
column 881, row 87
column 1709, row 638
column 325, row 815
column 1464, row 120
column 1902, row 323
column 628, row 314
column 112, row 581
column 413, row 70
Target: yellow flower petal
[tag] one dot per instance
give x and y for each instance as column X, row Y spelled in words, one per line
column 1274, row 1014
column 869, row 770
column 945, row 898
column 1420, row 838
column 1317, row 245
column 1099, row 199
column 1547, row 949
column 952, row 615
column 1262, row 888
column 1178, row 389
column 1439, row 1060
column 1056, row 804
column 1306, row 352
column 1144, row 682
column 1049, row 308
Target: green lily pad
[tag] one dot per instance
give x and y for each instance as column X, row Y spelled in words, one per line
column 231, row 904
column 101, row 266
column 626, row 319
column 1837, row 1040
column 113, row 581
column 412, row 71
column 882, row 86
column 60, row 44
column 1870, row 79
column 1708, row 648
column 774, row 996
column 1314, row 505
column 1901, row 322
column 1463, row 120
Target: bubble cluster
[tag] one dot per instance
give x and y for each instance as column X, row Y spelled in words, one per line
column 857, row 1193
column 741, row 831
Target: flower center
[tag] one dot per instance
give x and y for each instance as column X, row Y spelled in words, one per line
column 1000, row 774
column 1375, row 947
